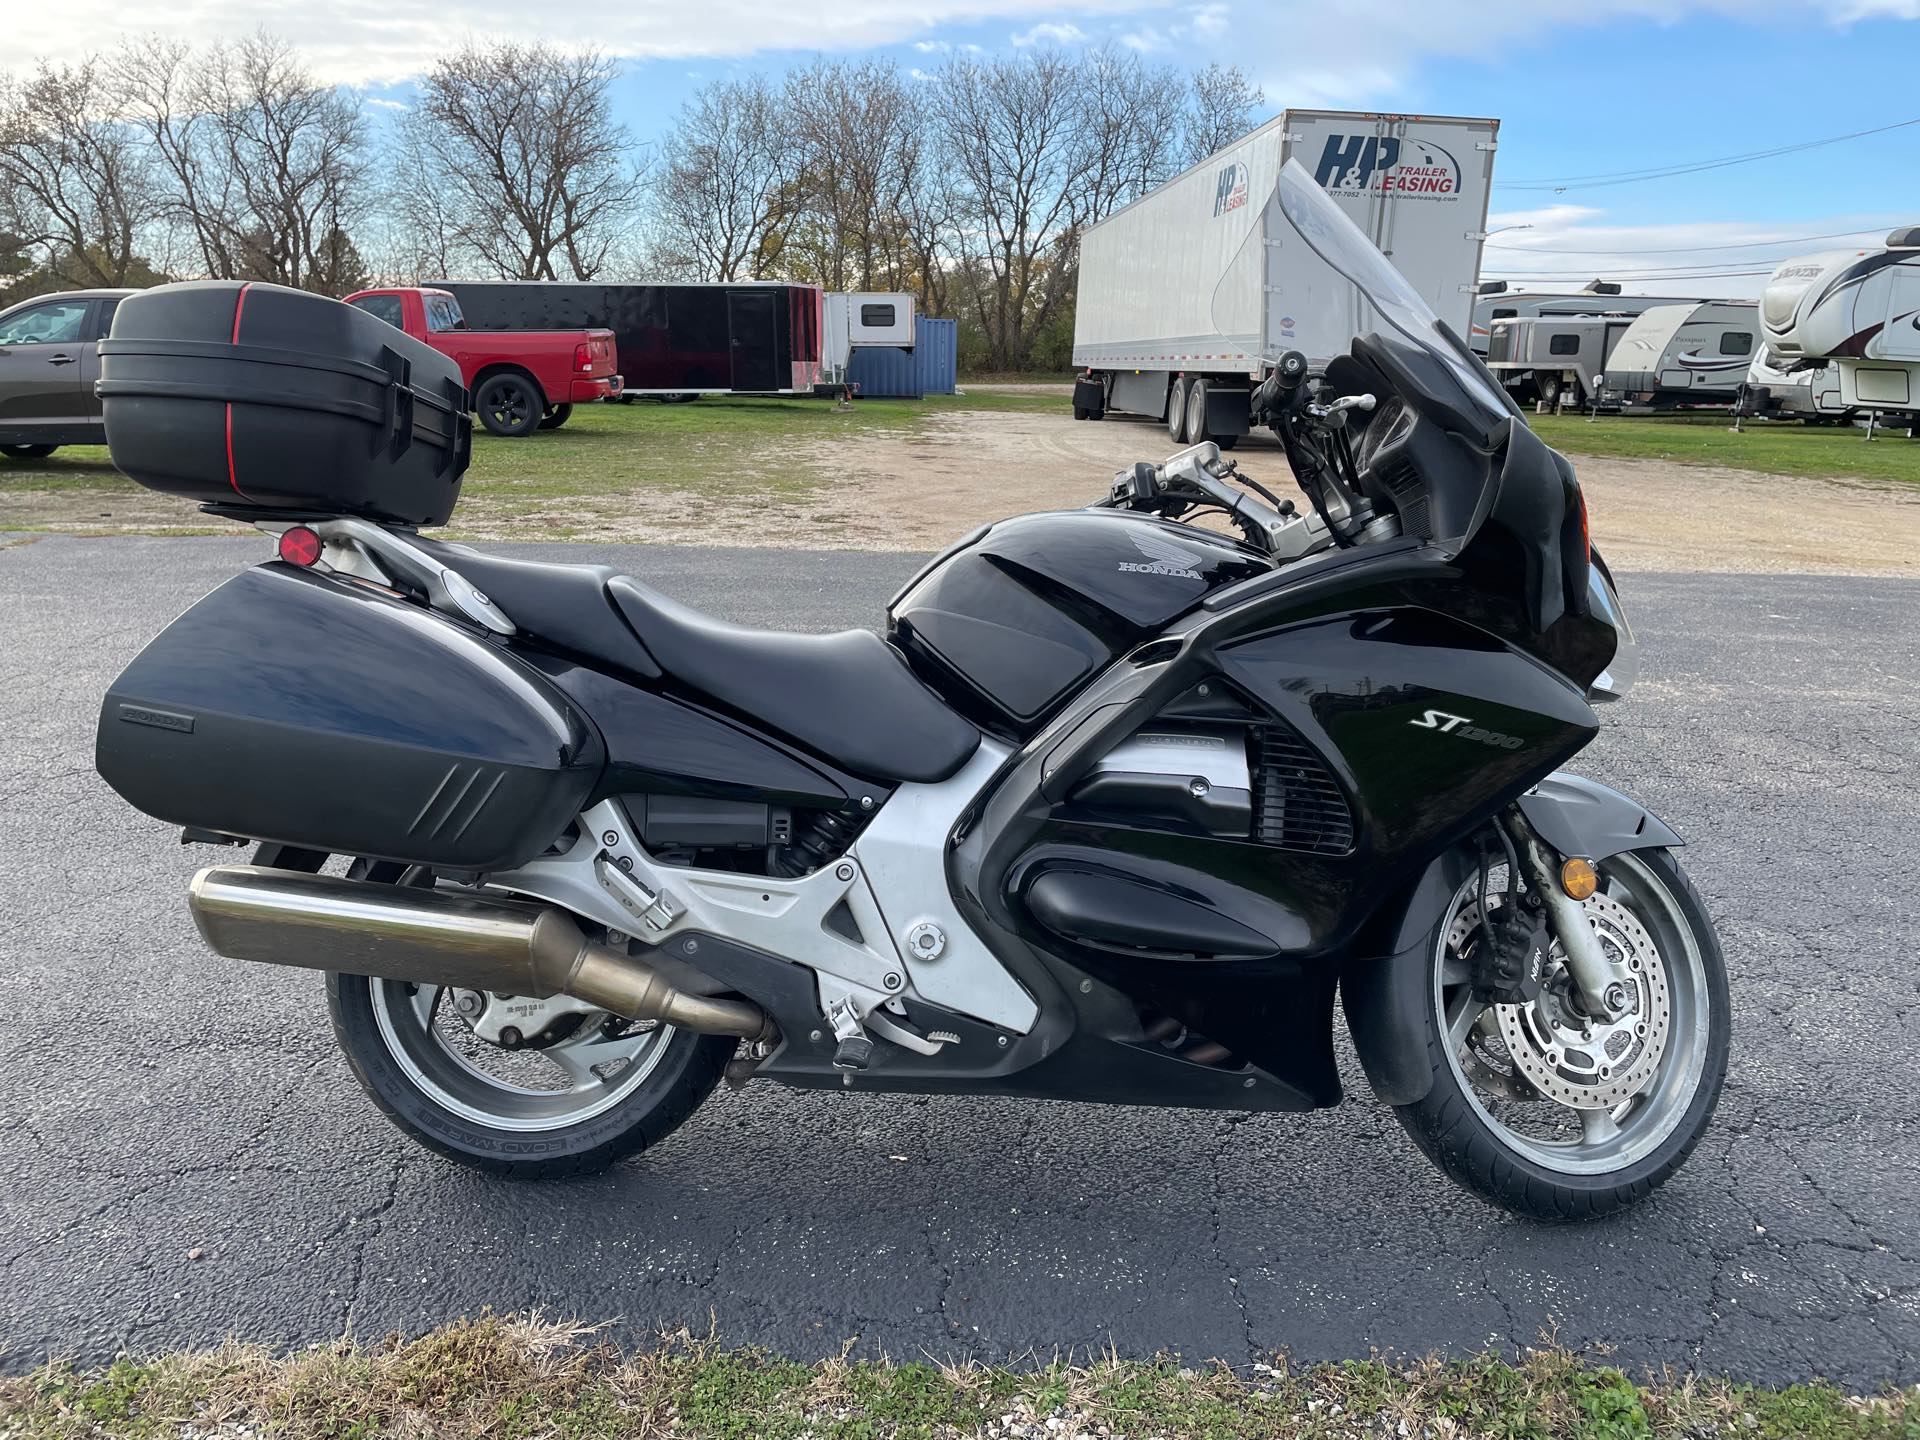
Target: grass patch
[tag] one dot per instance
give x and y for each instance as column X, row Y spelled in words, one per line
column 1802, row 451
column 519, row 1379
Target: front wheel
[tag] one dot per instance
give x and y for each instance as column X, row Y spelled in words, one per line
column 531, row 1088
column 1551, row 1113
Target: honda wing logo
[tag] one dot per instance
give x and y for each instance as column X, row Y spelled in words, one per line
column 1164, row 557
column 1380, row 164
column 1230, row 189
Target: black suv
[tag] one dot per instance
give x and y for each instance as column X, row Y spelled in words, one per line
column 49, row 359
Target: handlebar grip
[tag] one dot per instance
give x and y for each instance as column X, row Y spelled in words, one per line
column 1292, row 370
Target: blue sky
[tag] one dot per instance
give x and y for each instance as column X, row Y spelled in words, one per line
column 1600, row 85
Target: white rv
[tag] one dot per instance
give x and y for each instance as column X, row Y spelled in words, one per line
column 1861, row 310
column 860, row 320
column 1775, row 390
column 1190, row 295
column 1497, row 302
column 1677, row 355
column 1554, row 358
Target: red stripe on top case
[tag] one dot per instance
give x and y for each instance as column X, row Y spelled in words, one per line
column 233, row 478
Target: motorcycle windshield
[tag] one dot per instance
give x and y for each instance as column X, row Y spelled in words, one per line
column 1327, row 231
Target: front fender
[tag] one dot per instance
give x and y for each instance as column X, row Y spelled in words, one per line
column 1578, row 816
column 1386, row 992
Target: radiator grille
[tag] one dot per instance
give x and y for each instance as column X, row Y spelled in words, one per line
column 1297, row 804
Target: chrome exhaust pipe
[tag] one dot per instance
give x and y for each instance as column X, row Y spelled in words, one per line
column 435, row 937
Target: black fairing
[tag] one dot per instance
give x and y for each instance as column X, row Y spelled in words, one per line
column 333, row 717
column 1006, row 627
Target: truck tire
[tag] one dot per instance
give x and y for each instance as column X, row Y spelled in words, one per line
column 509, row 404
column 555, row 416
column 1197, row 413
column 1177, row 410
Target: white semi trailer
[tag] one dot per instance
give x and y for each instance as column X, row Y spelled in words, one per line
column 1190, row 296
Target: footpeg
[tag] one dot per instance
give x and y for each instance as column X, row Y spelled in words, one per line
column 853, row 1048
column 853, row 1053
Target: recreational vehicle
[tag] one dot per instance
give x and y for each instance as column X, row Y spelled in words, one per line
column 1497, row 302
column 1775, row 390
column 1554, row 359
column 1190, row 296
column 1678, row 355
column 1861, row 310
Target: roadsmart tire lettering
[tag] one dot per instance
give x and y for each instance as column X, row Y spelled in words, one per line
column 1463, row 728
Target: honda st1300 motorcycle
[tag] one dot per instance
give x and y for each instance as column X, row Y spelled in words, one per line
column 1114, row 810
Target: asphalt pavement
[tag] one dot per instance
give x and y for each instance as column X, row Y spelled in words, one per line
column 158, row 1103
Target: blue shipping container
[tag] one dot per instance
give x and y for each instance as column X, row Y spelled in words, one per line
column 932, row 367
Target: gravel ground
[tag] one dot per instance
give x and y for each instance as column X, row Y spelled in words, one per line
column 184, row 1155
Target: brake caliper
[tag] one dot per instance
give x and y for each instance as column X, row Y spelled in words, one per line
column 1510, row 966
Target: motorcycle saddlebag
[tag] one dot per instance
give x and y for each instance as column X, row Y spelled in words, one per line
column 253, row 395
column 290, row 707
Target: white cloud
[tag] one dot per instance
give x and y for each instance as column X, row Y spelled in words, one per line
column 1145, row 40
column 377, row 103
column 1052, row 32
column 1209, row 21
column 931, row 47
column 395, row 40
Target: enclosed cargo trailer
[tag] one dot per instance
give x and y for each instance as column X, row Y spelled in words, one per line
column 748, row 337
column 1683, row 355
column 1189, row 296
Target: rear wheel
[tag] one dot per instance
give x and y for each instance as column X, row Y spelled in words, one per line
column 1197, row 413
column 532, row 1088
column 1550, row 391
column 555, row 416
column 1177, row 410
column 27, row 452
column 509, row 404
column 1558, row 1116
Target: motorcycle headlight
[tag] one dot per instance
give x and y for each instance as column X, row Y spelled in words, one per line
column 1614, row 681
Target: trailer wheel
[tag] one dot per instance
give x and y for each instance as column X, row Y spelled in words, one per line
column 555, row 416
column 1550, row 392
column 1197, row 413
column 1177, row 410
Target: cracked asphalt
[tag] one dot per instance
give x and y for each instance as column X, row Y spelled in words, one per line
column 156, row 1101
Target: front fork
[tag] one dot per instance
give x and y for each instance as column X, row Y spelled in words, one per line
column 1602, row 981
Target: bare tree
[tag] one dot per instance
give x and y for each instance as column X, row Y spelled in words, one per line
column 862, row 138
column 725, row 190
column 1009, row 129
column 537, row 178
column 75, row 184
column 266, row 169
column 1130, row 132
column 1221, row 109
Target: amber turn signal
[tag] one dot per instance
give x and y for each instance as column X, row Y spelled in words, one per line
column 1578, row 878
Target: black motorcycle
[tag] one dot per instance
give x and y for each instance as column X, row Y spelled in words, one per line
column 1113, row 810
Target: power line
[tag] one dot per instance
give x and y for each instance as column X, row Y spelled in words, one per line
column 1631, row 177
column 1688, row 249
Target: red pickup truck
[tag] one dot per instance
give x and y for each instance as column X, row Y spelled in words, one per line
column 520, row 380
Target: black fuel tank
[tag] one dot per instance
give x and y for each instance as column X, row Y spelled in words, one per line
column 329, row 716
column 1015, row 618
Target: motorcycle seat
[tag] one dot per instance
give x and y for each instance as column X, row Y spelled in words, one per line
column 849, row 698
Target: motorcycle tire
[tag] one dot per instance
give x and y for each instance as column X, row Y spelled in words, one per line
column 1455, row 1124
column 429, row 1104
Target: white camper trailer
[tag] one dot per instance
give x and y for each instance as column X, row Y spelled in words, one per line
column 1677, row 355
column 1554, row 359
column 1859, row 309
column 1776, row 391
column 1496, row 302
column 859, row 320
column 1190, row 295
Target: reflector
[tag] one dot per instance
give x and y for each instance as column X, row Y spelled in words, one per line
column 300, row 546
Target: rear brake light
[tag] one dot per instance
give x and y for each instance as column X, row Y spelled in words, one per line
column 583, row 357
column 300, row 546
